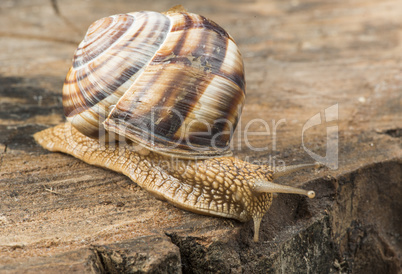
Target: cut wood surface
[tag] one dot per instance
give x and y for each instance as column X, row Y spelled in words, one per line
column 301, row 58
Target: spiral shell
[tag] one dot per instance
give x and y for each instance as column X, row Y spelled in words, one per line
column 172, row 82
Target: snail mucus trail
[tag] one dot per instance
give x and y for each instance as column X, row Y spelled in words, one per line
column 146, row 68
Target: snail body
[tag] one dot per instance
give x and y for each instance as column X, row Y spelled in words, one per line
column 167, row 86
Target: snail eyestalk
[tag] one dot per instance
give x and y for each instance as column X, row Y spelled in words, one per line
column 266, row 186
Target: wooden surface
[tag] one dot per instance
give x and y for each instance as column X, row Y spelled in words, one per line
column 300, row 58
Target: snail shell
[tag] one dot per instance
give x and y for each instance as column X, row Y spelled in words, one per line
column 172, row 82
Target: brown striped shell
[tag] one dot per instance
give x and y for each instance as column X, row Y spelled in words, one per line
column 172, row 82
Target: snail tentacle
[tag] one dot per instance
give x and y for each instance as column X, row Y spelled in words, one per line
column 266, row 186
column 257, row 222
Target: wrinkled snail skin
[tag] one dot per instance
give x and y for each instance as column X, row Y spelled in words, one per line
column 162, row 81
column 224, row 187
column 217, row 186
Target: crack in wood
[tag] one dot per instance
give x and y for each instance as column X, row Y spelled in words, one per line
column 37, row 37
column 4, row 154
column 55, row 7
column 393, row 132
column 52, row 191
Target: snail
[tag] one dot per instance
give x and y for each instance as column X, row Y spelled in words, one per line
column 155, row 96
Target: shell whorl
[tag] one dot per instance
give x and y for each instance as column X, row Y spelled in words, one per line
column 172, row 82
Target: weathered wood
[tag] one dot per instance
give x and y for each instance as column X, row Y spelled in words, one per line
column 59, row 214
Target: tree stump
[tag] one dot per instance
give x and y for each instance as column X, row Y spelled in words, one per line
column 338, row 63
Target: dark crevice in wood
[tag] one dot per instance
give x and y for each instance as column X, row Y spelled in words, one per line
column 2, row 156
column 99, row 261
column 55, row 7
column 394, row 132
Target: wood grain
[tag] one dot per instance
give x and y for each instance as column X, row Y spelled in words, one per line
column 300, row 58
